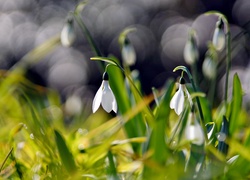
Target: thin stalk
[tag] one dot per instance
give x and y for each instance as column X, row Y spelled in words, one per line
column 202, row 121
column 4, row 161
column 212, row 90
column 111, row 170
column 228, row 50
column 89, row 38
column 194, row 72
column 228, row 35
column 87, row 33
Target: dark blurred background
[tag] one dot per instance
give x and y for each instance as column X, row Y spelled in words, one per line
column 162, row 30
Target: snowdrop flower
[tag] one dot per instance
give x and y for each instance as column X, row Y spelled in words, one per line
column 178, row 100
column 104, row 97
column 128, row 53
column 219, row 38
column 191, row 53
column 68, row 34
column 209, row 68
column 193, row 131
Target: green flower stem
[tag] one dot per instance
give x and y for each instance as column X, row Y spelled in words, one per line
column 228, row 36
column 228, row 50
column 89, row 37
column 87, row 33
column 194, row 72
column 202, row 122
column 211, row 92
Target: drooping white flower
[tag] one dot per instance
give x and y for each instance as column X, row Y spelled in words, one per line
column 68, row 34
column 104, row 97
column 193, row 131
column 191, row 53
column 209, row 68
column 219, row 37
column 178, row 100
column 128, row 53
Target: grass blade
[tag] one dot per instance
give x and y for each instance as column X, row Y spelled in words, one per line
column 236, row 105
column 64, row 153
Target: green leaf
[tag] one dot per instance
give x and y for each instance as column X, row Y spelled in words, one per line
column 116, row 81
column 64, row 153
column 206, row 110
column 236, row 105
column 195, row 161
column 223, row 146
column 111, row 169
column 158, row 135
column 5, row 159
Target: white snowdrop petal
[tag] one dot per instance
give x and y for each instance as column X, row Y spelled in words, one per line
column 190, row 53
column 190, row 132
column 114, row 105
column 209, row 68
column 67, row 35
column 128, row 54
column 219, row 39
column 180, row 105
column 177, row 102
column 173, row 101
column 189, row 97
column 107, row 98
column 199, row 137
column 194, row 133
column 97, row 99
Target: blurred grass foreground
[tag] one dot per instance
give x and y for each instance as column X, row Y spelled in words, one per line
column 189, row 120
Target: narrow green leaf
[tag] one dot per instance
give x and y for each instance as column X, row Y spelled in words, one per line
column 223, row 146
column 64, row 153
column 86, row 32
column 195, row 161
column 111, row 169
column 236, row 105
column 116, row 81
column 158, row 135
column 206, row 109
column 5, row 159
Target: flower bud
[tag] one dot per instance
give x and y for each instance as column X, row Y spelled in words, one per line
column 68, row 34
column 191, row 53
column 193, row 131
column 219, row 38
column 209, row 67
column 128, row 53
